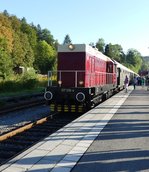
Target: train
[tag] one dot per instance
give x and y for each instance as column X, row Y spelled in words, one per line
column 84, row 77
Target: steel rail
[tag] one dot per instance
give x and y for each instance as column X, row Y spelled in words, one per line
column 24, row 128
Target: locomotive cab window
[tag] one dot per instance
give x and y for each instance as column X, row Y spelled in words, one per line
column 109, row 67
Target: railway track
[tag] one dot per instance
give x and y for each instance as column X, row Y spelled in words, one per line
column 21, row 102
column 16, row 141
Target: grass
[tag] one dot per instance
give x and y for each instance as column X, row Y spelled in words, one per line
column 21, row 92
column 13, row 88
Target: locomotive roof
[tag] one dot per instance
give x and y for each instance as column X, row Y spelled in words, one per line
column 119, row 65
column 83, row 48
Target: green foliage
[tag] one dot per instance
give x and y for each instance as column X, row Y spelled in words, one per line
column 6, row 13
column 22, row 54
column 23, row 44
column 134, row 59
column 15, row 23
column 29, row 74
column 6, row 86
column 30, row 83
column 114, row 51
column 19, row 43
column 5, row 60
column 5, row 65
column 13, row 86
column 45, row 57
column 30, row 33
column 46, row 36
column 28, row 80
column 6, row 32
column 145, row 64
column 100, row 45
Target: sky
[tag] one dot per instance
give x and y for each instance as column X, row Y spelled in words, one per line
column 123, row 22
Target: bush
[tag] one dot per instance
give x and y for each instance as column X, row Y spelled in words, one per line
column 13, row 86
column 30, row 74
column 27, row 81
column 30, row 83
column 8, row 86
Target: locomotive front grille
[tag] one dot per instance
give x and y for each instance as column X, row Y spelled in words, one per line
column 73, row 108
column 66, row 108
column 52, row 107
column 80, row 108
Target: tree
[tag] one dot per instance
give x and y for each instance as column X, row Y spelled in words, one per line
column 145, row 66
column 15, row 23
column 5, row 60
column 23, row 42
column 134, row 60
column 6, row 13
column 6, row 31
column 67, row 40
column 45, row 57
column 38, row 32
column 22, row 54
column 114, row 51
column 100, row 45
column 30, row 32
column 28, row 58
column 45, row 35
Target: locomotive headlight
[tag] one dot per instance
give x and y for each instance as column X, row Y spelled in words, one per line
column 80, row 82
column 80, row 97
column 48, row 95
column 59, row 82
column 71, row 46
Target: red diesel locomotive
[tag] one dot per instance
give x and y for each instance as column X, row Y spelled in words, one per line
column 84, row 77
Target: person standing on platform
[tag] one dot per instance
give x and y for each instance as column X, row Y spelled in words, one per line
column 126, row 82
column 134, row 82
column 143, row 82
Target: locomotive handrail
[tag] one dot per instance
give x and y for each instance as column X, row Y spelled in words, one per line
column 55, row 77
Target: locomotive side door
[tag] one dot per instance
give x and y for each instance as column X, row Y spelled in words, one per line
column 92, row 71
column 118, row 76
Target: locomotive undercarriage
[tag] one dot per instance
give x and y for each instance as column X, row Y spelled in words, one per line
column 77, row 99
column 69, row 99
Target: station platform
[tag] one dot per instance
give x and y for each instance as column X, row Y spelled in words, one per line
column 114, row 136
